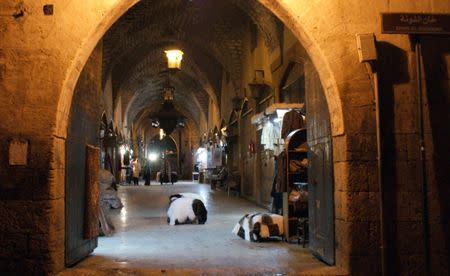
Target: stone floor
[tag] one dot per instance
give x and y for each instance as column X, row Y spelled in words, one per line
column 144, row 244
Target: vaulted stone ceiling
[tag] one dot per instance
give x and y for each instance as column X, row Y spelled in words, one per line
column 210, row 33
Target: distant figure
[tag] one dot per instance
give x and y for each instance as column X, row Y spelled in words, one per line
column 136, row 170
column 146, row 172
column 166, row 172
column 127, row 166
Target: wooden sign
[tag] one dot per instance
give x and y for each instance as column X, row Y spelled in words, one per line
column 415, row 23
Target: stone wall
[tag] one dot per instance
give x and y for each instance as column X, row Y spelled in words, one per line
column 436, row 58
column 403, row 159
column 33, row 212
column 354, row 150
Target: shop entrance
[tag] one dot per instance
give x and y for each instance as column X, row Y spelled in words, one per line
column 295, row 159
column 320, row 177
column 301, row 84
column 163, row 159
column 83, row 163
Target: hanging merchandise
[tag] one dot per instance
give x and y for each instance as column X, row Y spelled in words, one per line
column 292, row 120
column 297, row 165
column 251, row 148
column 210, row 159
column 281, row 177
column 273, row 133
column 270, row 136
column 298, row 200
column 277, row 196
column 217, row 157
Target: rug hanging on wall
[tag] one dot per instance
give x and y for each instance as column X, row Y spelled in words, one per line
column 91, row 227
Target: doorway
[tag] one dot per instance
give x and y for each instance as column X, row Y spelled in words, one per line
column 164, row 155
column 83, row 131
column 301, row 84
column 194, row 106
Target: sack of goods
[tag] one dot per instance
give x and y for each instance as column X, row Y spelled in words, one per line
column 298, row 203
column 259, row 227
column 108, row 195
column 186, row 208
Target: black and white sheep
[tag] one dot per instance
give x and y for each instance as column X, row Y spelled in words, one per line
column 257, row 227
column 186, row 208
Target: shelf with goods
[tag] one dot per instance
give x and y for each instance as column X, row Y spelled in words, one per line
column 295, row 196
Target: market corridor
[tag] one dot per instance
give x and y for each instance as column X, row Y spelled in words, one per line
column 145, row 244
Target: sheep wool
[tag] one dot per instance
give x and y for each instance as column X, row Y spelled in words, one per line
column 186, row 210
column 257, row 227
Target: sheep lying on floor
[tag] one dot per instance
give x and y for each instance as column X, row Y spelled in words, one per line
column 186, row 208
column 190, row 195
column 108, row 190
column 257, row 227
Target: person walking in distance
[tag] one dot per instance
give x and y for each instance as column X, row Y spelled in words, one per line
column 146, row 172
column 136, row 170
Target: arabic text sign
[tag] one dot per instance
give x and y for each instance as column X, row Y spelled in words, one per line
column 415, row 23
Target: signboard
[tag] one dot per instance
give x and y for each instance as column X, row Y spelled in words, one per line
column 415, row 23
column 18, row 152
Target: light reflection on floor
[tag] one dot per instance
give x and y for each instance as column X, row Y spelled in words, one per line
column 123, row 214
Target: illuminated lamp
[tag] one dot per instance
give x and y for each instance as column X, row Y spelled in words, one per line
column 153, row 156
column 174, row 58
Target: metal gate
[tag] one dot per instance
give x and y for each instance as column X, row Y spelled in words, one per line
column 320, row 173
column 77, row 247
column 321, row 209
column 83, row 130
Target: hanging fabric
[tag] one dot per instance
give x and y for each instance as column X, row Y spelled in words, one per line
column 92, row 192
column 281, row 182
column 292, row 120
column 270, row 136
column 277, row 197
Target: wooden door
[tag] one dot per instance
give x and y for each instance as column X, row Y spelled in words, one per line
column 247, row 157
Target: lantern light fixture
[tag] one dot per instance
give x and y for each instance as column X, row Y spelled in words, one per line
column 174, row 58
column 168, row 118
column 153, row 156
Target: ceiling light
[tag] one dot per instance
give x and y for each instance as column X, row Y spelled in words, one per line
column 174, row 58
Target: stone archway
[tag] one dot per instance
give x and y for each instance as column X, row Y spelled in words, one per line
column 285, row 12
column 92, row 37
column 111, row 13
column 282, row 10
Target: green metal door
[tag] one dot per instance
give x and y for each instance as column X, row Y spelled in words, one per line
column 83, row 129
column 320, row 173
column 77, row 247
